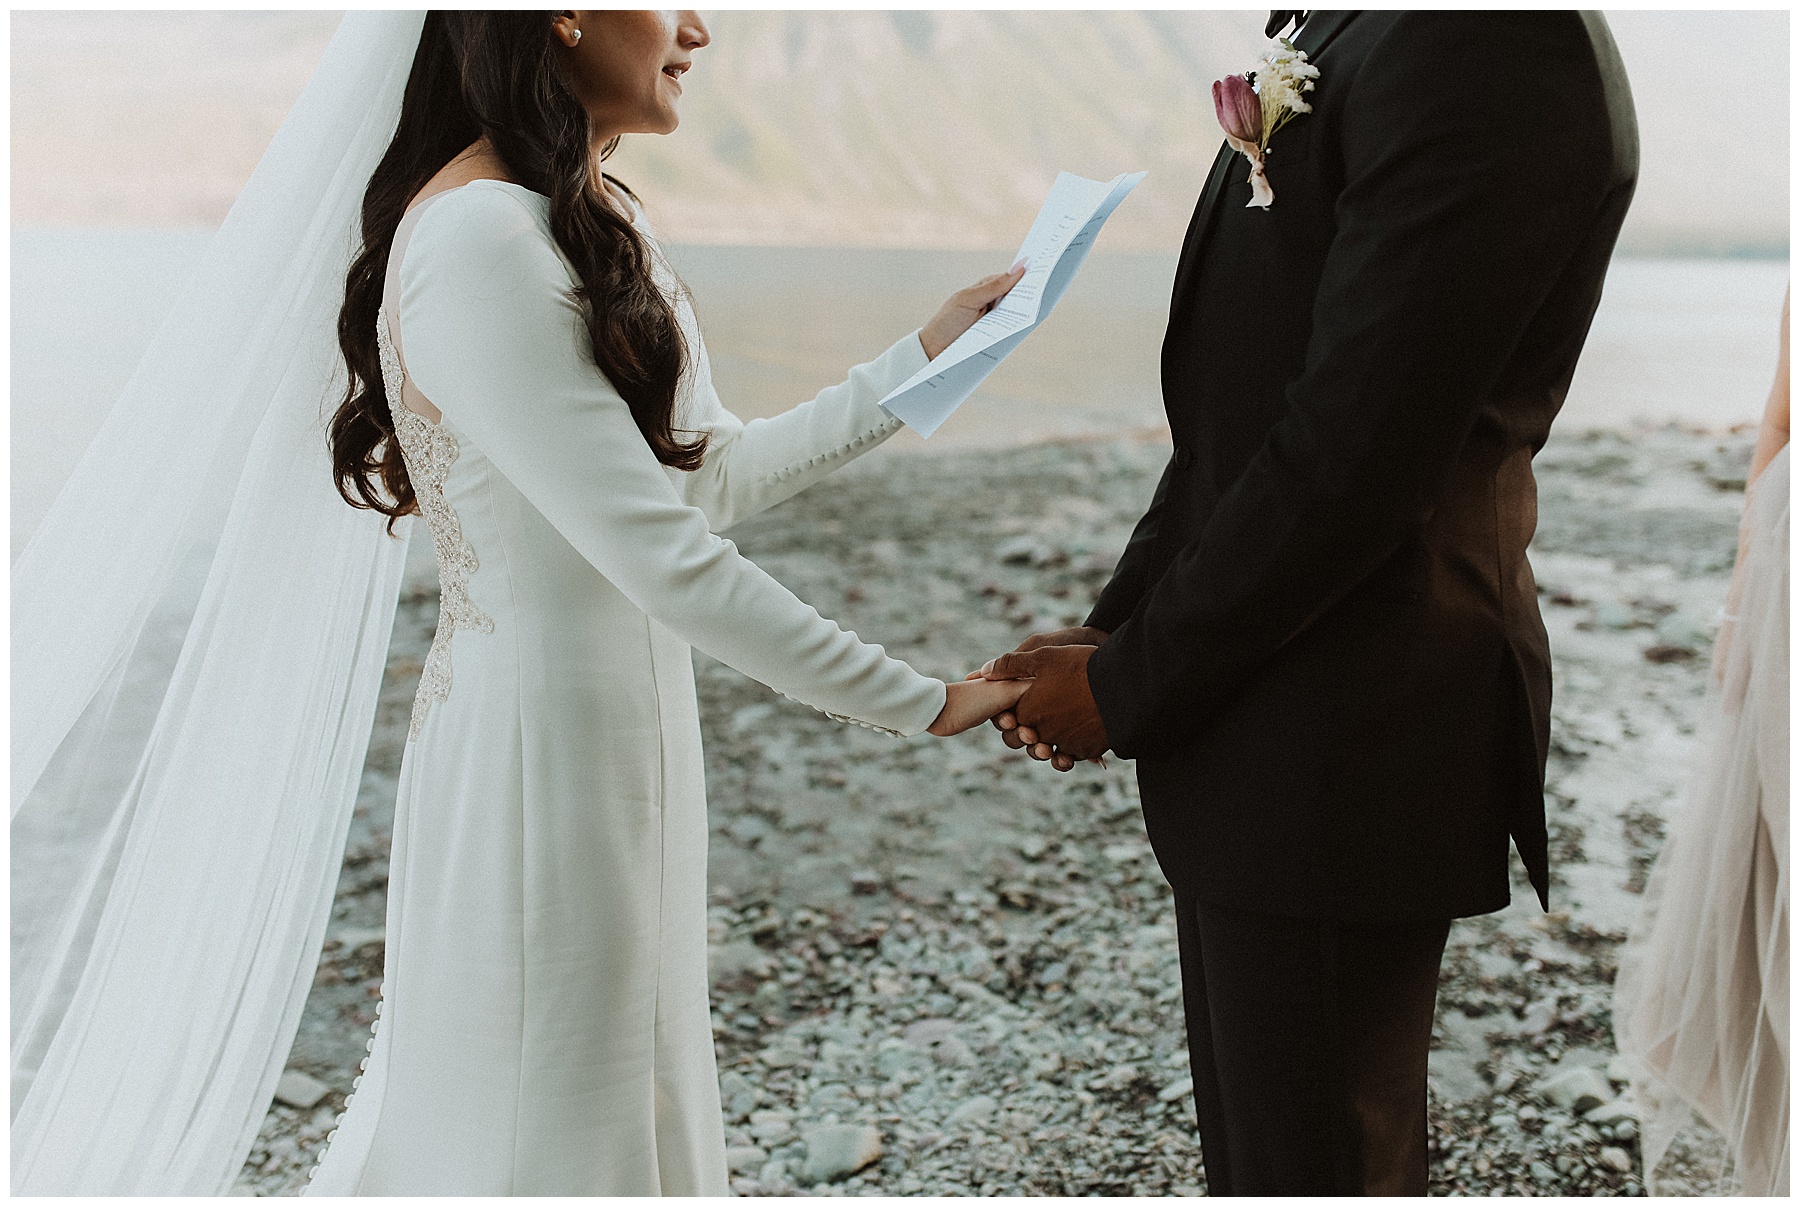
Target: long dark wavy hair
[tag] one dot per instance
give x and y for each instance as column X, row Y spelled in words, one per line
column 494, row 73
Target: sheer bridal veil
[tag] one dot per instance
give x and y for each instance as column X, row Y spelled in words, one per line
column 199, row 630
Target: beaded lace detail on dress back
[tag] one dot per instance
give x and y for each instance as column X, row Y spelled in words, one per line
column 429, row 451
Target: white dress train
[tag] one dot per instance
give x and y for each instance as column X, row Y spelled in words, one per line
column 1700, row 1006
column 545, row 1027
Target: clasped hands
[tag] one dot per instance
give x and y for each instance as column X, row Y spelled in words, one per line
column 1037, row 696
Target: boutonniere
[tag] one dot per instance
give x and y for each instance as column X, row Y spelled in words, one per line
column 1254, row 105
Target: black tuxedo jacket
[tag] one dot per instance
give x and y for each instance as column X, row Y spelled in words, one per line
column 1326, row 653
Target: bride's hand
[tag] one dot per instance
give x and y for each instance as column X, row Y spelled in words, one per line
column 969, row 703
column 965, row 306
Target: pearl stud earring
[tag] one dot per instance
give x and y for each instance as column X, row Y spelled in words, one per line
column 577, row 37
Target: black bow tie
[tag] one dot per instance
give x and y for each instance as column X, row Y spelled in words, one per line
column 1279, row 18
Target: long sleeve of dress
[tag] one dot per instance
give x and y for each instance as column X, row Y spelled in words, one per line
column 752, row 466
column 494, row 337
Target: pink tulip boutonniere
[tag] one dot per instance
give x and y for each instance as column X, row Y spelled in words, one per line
column 1252, row 106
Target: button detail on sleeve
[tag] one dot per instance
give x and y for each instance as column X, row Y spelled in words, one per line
column 848, row 720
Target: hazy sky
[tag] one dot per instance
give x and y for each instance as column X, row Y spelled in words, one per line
column 923, row 128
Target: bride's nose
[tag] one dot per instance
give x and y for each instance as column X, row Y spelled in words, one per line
column 691, row 32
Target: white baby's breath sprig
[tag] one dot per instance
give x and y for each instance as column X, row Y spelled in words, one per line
column 1253, row 106
column 1282, row 84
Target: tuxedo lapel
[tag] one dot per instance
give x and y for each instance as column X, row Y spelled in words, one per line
column 1319, row 30
column 1196, row 234
column 1314, row 36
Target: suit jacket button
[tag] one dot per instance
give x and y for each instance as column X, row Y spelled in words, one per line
column 1183, row 458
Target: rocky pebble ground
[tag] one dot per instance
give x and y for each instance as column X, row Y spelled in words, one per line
column 942, row 969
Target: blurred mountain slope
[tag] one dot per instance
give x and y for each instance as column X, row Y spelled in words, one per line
column 941, row 129
column 872, row 128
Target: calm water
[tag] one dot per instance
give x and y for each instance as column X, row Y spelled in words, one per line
column 1686, row 340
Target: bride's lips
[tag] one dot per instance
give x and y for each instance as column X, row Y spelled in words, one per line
column 675, row 71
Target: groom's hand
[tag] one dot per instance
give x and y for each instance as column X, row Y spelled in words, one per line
column 1058, row 707
column 1079, row 635
column 1011, row 732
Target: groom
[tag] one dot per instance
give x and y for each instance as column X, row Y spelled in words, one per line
column 1322, row 645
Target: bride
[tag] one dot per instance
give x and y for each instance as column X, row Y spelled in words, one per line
column 546, row 1028
column 521, row 370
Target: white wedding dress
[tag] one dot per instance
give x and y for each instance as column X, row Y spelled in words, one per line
column 545, row 1025
column 1700, row 1004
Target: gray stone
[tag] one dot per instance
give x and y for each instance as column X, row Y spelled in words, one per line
column 736, row 1094
column 971, row 992
column 773, row 1180
column 738, row 958
column 355, row 938
column 1578, row 1089
column 300, row 1090
column 952, row 1051
column 1539, row 1018
column 1611, row 1112
column 771, row 1127
column 834, row 1096
column 927, row 1031
column 838, row 1150
column 890, row 1062
column 1542, row 1174
column 1022, row 550
column 780, row 1055
column 745, row 1158
column 1176, row 1090
column 1616, row 1159
column 750, row 717
column 1452, row 1064
column 1585, row 1058
column 1613, row 615
column 1683, row 631
column 973, row 1112
column 885, row 553
column 1119, row 1077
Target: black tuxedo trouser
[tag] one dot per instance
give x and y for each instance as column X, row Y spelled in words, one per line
column 1309, row 1042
